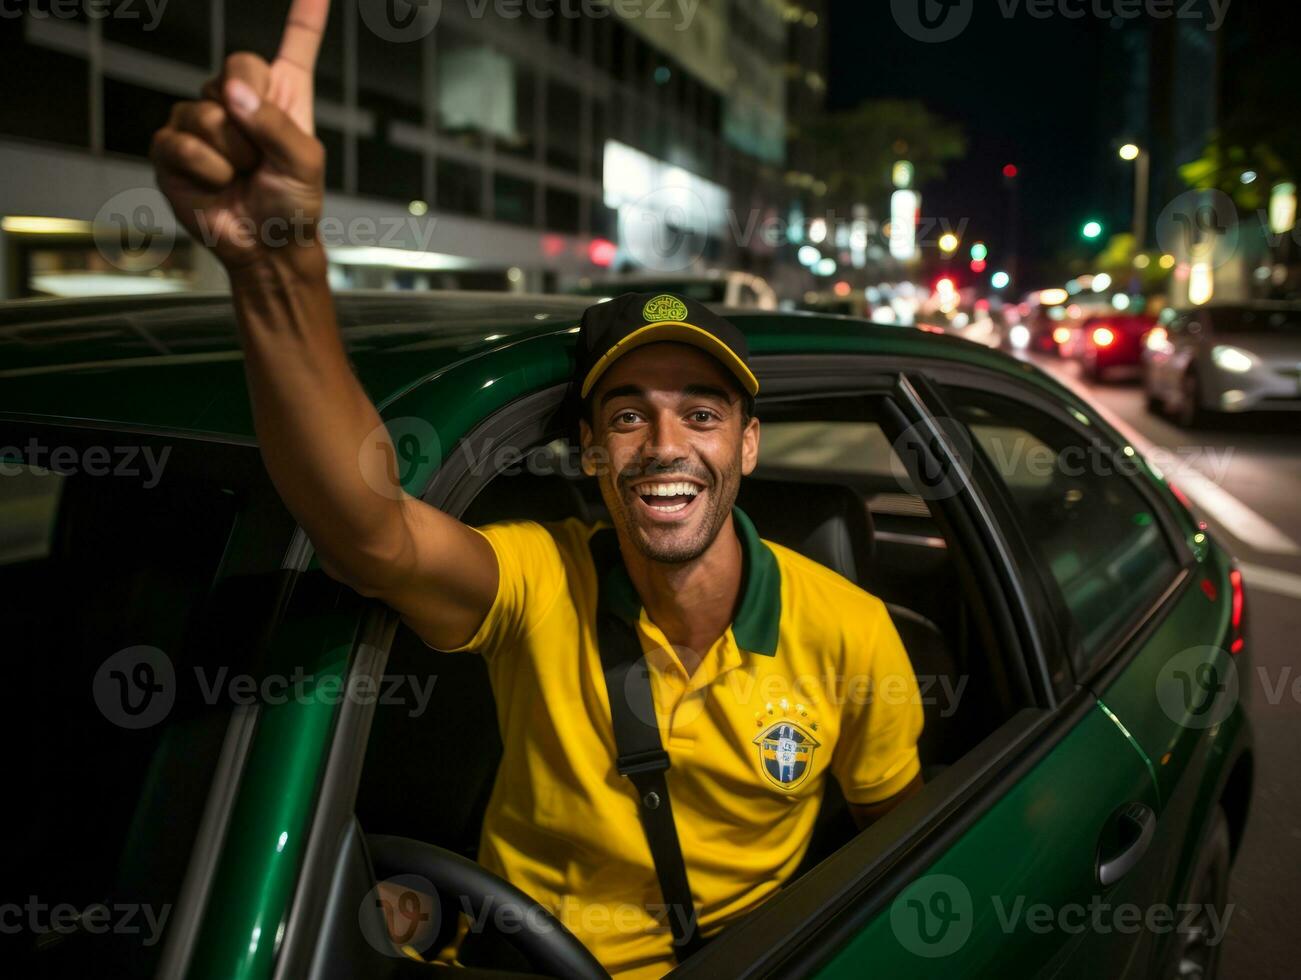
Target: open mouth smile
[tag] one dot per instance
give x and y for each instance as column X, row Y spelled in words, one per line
column 668, row 500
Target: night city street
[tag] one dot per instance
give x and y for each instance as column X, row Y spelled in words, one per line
column 615, row 489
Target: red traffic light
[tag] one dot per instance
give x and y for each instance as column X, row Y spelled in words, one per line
column 1010, row 171
column 978, row 265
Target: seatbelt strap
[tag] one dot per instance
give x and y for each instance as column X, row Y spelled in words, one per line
column 641, row 756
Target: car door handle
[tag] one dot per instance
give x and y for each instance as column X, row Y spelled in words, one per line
column 1124, row 841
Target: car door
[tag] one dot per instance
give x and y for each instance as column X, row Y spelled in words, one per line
column 1046, row 882
column 1108, row 543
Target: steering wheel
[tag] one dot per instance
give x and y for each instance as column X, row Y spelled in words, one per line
column 549, row 947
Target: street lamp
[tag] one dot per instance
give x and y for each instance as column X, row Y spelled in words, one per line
column 1142, row 161
column 949, row 243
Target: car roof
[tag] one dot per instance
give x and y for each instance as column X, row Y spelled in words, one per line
column 173, row 363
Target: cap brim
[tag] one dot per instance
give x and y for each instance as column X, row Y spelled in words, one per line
column 677, row 332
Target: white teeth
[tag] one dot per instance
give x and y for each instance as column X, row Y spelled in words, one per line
column 668, row 489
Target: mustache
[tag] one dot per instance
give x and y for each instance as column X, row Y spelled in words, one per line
column 631, row 474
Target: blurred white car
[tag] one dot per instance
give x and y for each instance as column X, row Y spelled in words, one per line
column 1241, row 358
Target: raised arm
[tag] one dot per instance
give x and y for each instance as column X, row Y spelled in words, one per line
column 245, row 175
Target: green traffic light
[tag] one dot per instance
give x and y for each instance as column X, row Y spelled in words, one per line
column 1092, row 230
column 979, row 252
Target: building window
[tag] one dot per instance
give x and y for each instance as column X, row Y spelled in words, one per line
column 175, row 38
column 562, row 211
column 132, row 115
column 458, row 188
column 564, row 126
column 58, row 108
column 513, row 200
column 482, row 93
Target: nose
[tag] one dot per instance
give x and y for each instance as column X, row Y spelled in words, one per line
column 667, row 440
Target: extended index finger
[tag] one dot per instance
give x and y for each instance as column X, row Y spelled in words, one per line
column 304, row 29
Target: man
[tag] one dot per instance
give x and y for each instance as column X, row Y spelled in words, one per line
column 767, row 670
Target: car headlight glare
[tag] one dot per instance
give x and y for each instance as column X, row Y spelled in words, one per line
column 1233, row 359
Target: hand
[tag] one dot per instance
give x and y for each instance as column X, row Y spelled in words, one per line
column 241, row 167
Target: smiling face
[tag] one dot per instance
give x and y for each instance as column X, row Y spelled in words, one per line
column 667, row 438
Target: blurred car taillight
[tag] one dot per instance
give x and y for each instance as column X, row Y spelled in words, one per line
column 1237, row 620
column 1103, row 337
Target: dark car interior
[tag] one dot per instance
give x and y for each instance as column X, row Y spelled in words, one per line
column 866, row 526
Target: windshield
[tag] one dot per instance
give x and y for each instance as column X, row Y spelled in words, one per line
column 1238, row 320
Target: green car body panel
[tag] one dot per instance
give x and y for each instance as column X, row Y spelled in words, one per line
column 172, row 366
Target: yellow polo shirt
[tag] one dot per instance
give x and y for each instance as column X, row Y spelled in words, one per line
column 811, row 680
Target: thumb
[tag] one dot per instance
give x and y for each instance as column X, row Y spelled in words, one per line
column 271, row 130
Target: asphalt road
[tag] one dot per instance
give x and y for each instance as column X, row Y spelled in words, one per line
column 1244, row 477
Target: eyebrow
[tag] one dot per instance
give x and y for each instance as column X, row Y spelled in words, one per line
column 633, row 391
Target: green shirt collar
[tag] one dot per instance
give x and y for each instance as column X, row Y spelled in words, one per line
column 758, row 619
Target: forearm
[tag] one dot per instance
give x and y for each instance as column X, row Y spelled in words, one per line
column 320, row 435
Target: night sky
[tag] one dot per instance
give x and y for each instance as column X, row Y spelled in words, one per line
column 1025, row 91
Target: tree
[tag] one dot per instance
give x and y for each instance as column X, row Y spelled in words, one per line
column 1222, row 165
column 856, row 149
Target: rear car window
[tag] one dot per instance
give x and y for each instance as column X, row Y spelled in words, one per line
column 1079, row 506
column 105, row 579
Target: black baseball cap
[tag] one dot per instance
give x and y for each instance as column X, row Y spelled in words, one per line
column 611, row 329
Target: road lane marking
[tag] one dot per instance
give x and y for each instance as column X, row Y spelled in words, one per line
column 1271, row 580
column 1230, row 513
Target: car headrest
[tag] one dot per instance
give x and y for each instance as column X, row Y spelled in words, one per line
column 828, row 523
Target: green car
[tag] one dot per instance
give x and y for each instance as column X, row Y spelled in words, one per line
column 222, row 750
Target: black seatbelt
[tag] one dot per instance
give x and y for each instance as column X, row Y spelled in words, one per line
column 641, row 756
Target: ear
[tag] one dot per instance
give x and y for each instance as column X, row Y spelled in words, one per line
column 585, row 441
column 750, row 447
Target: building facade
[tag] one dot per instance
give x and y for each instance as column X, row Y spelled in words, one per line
column 472, row 143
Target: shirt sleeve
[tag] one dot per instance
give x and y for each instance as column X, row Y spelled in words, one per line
column 876, row 751
column 530, row 575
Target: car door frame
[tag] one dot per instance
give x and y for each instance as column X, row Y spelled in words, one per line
column 801, row 927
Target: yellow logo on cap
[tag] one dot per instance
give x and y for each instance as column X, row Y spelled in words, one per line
column 665, row 307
